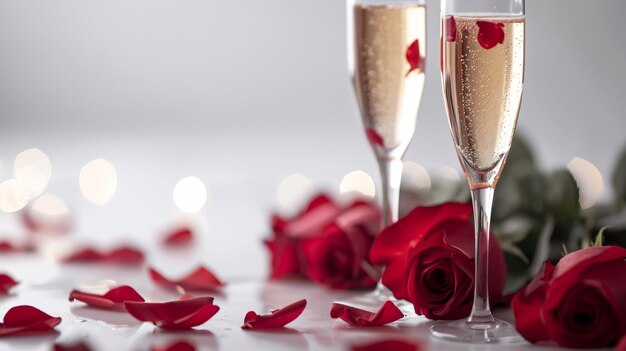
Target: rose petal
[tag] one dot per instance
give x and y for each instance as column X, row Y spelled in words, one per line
column 387, row 313
column 398, row 238
column 114, row 299
column 6, row 283
column 180, row 345
column 121, row 255
column 9, row 247
column 387, row 345
column 27, row 319
column 200, row 279
column 277, row 319
column 79, row 346
column 375, row 138
column 450, row 29
column 413, row 56
column 490, row 34
column 181, row 314
column 580, row 259
column 181, row 236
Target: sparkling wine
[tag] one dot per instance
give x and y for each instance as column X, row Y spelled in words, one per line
column 483, row 75
column 388, row 71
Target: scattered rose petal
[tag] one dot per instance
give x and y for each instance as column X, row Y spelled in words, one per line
column 386, row 314
column 375, row 138
column 490, row 34
column 114, row 299
column 277, row 319
column 450, row 29
column 180, row 345
column 79, row 346
column 25, row 319
column 6, row 283
column 180, row 236
column 387, row 345
column 200, row 279
column 413, row 56
column 181, row 314
column 8, row 247
column 121, row 255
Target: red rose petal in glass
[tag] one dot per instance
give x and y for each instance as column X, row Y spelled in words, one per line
column 387, row 345
column 277, row 319
column 121, row 255
column 375, row 138
column 6, row 283
column 200, row 279
column 413, row 56
column 490, row 34
column 450, row 29
column 27, row 319
column 79, row 346
column 387, row 313
column 114, row 299
column 175, row 346
column 181, row 314
column 181, row 236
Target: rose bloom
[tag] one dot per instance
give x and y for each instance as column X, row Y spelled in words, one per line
column 326, row 243
column 429, row 258
column 580, row 303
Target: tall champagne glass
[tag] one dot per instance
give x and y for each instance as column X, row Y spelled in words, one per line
column 386, row 51
column 482, row 44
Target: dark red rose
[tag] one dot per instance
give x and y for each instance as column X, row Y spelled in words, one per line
column 450, row 29
column 490, row 34
column 583, row 304
column 413, row 56
column 326, row 243
column 436, row 269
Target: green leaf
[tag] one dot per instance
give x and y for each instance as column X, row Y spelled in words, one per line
column 619, row 177
column 561, row 196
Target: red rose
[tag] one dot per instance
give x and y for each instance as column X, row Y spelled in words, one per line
column 581, row 304
column 435, row 268
column 326, row 243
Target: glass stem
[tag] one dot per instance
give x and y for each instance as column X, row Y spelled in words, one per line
column 391, row 174
column 482, row 199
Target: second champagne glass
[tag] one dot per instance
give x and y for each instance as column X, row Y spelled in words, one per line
column 482, row 47
column 386, row 50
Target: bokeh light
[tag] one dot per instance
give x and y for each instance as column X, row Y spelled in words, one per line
column 293, row 191
column 50, row 205
column 589, row 180
column 446, row 173
column 190, row 194
column 416, row 175
column 12, row 196
column 33, row 171
column 358, row 182
column 98, row 181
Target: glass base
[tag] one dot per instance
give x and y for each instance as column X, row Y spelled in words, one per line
column 373, row 300
column 497, row 332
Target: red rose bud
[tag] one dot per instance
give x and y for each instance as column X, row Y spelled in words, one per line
column 176, row 346
column 181, row 314
column 201, row 279
column 413, row 57
column 386, row 314
column 121, row 255
column 388, row 345
column 277, row 319
column 450, row 29
column 6, row 283
column 113, row 300
column 27, row 320
column 179, row 237
column 490, row 34
column 583, row 304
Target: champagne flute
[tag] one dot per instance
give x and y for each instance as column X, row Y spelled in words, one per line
column 386, row 51
column 482, row 47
